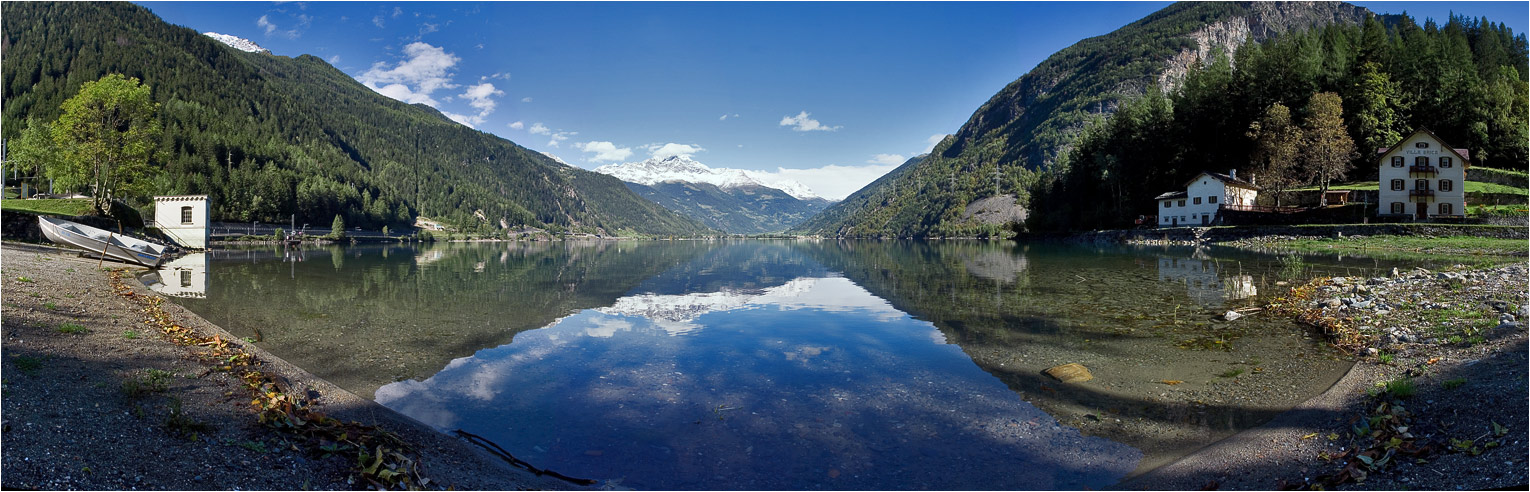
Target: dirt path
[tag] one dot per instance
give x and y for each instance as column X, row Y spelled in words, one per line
column 96, row 399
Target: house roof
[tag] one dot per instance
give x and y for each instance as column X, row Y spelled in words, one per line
column 1229, row 180
column 1172, row 195
column 1464, row 154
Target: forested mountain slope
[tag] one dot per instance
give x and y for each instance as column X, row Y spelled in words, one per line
column 735, row 210
column 1175, row 66
column 267, row 136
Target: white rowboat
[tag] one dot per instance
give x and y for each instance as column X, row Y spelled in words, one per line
column 101, row 242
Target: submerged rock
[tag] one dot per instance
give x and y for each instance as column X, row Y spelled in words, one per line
column 1070, row 373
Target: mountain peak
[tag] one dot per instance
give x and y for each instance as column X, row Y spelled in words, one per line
column 236, row 42
column 683, row 168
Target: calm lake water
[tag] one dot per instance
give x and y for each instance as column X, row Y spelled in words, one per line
column 790, row 364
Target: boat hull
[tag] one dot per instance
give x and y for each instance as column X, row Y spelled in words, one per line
column 101, row 242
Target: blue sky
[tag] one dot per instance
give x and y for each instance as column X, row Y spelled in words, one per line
column 830, row 94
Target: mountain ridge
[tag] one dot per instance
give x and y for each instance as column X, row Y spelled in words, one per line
column 730, row 200
column 269, row 137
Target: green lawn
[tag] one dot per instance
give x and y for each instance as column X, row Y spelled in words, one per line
column 1452, row 246
column 46, row 206
column 1471, row 187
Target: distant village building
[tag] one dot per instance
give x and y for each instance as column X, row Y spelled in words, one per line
column 1422, row 177
column 183, row 218
column 1203, row 197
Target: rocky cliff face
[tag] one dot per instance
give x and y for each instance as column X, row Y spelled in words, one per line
column 1264, row 20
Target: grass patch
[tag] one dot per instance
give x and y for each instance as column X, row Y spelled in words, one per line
column 25, row 280
column 50, row 306
column 49, row 206
column 1453, row 245
column 27, row 364
column 130, row 334
column 151, row 381
column 1401, row 388
column 1385, row 358
column 1231, row 373
column 183, row 425
column 1453, row 383
column 73, row 329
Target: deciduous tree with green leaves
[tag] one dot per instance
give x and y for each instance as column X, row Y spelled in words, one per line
column 107, row 139
column 1277, row 143
column 1329, row 151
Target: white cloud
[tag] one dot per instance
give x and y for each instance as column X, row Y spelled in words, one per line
column 526, row 99
column 334, row 60
column 425, row 69
column 496, row 75
column 428, row 28
column 604, row 151
column 481, row 96
column 539, row 129
column 933, row 141
column 725, row 117
column 397, row 11
column 377, row 21
column 471, row 120
column 886, row 159
column 803, row 123
column 266, row 24
column 559, row 137
column 517, row 125
column 834, row 181
column 673, row 149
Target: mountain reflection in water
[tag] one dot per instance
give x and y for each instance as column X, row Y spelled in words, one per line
column 814, row 383
column 790, row 364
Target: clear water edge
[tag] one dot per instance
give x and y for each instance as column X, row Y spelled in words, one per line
column 565, row 352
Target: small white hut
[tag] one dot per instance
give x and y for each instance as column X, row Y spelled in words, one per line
column 183, row 218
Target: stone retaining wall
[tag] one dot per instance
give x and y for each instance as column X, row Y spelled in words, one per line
column 1174, row 235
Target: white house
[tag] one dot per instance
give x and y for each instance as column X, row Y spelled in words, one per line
column 1203, row 197
column 1422, row 177
column 183, row 218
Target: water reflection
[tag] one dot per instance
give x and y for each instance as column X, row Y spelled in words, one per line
column 618, row 358
column 1203, row 281
column 182, row 277
column 812, row 384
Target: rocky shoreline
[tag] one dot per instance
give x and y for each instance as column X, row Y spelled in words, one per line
column 98, row 398
column 1437, row 400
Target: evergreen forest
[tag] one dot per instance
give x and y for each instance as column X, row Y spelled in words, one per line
column 1465, row 80
column 272, row 138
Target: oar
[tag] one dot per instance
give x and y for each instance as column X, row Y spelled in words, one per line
column 103, row 250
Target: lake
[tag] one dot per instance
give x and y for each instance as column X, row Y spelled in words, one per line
column 791, row 364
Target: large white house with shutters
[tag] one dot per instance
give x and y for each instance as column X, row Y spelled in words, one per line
column 1203, row 197
column 1422, row 177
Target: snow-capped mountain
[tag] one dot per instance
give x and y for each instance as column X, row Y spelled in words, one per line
column 683, row 168
column 237, row 42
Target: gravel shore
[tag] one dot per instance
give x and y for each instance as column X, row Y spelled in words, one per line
column 96, row 399
column 1453, row 344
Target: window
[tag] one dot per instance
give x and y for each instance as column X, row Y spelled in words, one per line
column 1197, row 200
column 1397, row 208
column 185, row 278
column 1397, row 185
column 1168, row 203
column 1397, row 161
column 1211, row 199
column 1420, row 161
column 1445, row 209
column 1181, row 203
column 1422, row 145
column 185, row 215
column 1445, row 162
column 1420, row 184
column 1446, row 185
